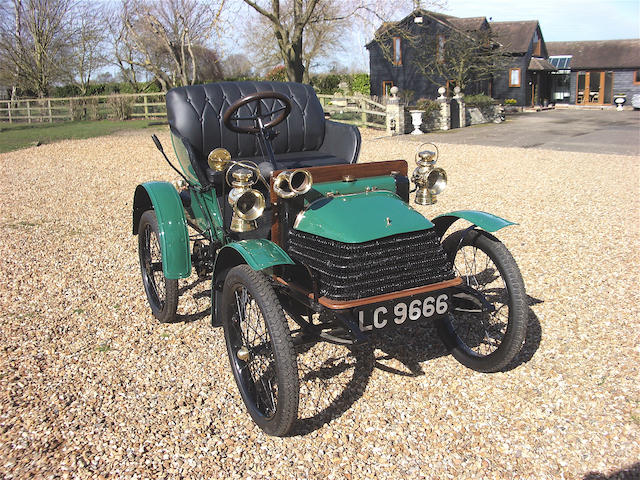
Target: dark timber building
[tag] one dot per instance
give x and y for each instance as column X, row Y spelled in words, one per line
column 534, row 73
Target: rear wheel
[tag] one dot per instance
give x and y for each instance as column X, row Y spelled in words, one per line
column 260, row 350
column 162, row 292
column 487, row 325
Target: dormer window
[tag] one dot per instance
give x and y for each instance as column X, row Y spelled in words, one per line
column 397, row 51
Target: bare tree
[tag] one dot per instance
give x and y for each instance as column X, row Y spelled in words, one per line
column 451, row 56
column 322, row 39
column 238, row 65
column 461, row 58
column 34, row 40
column 161, row 37
column 88, row 44
column 289, row 21
column 292, row 20
column 124, row 54
column 208, row 65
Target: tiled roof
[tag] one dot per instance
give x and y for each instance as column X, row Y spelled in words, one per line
column 463, row 24
column 541, row 65
column 470, row 24
column 515, row 37
column 599, row 53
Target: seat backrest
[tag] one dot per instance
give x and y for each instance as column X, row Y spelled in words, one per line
column 196, row 113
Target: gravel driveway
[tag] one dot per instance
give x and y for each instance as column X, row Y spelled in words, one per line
column 92, row 387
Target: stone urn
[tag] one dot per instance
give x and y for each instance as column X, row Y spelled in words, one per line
column 416, row 121
column 619, row 100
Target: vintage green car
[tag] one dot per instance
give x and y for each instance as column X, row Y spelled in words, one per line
column 292, row 231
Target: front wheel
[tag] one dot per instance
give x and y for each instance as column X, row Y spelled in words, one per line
column 260, row 349
column 162, row 292
column 487, row 324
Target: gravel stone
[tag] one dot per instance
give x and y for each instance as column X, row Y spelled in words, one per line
column 91, row 386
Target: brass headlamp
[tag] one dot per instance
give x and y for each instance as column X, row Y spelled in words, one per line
column 430, row 181
column 248, row 204
column 291, row 183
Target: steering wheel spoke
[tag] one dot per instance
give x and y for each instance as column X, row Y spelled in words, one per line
column 231, row 115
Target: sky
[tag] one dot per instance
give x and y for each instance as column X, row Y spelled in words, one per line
column 560, row 20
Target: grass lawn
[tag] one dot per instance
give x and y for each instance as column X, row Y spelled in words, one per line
column 19, row 135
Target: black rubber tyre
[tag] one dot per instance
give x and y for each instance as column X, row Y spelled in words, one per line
column 478, row 338
column 260, row 350
column 162, row 292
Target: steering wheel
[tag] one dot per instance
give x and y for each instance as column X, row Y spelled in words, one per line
column 230, row 115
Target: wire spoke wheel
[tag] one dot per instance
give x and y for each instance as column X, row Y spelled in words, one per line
column 162, row 292
column 258, row 368
column 260, row 350
column 487, row 324
column 481, row 328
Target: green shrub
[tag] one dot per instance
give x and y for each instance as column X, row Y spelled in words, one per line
column 65, row 91
column 428, row 106
column 479, row 100
column 360, row 83
column 510, row 101
column 326, row 84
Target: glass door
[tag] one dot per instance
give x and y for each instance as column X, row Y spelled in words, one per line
column 582, row 83
column 594, row 87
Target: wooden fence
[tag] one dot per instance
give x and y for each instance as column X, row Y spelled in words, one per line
column 358, row 110
column 38, row 110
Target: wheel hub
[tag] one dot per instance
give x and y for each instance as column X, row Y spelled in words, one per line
column 243, row 354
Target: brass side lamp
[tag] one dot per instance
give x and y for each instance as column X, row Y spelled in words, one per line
column 429, row 180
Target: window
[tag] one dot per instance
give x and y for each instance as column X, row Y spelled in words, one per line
column 397, row 51
column 561, row 62
column 636, row 77
column 440, row 48
column 386, row 87
column 514, row 77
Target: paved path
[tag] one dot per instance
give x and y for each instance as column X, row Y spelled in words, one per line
column 589, row 131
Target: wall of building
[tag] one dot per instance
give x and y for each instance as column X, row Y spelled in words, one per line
column 501, row 88
column 405, row 76
column 623, row 84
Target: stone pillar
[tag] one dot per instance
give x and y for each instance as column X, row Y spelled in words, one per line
column 395, row 114
column 459, row 96
column 445, row 110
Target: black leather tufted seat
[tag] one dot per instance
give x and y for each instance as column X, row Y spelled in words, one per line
column 304, row 139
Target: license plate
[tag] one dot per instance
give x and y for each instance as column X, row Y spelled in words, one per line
column 400, row 312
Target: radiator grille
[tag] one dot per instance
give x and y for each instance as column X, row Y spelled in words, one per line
column 348, row 271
